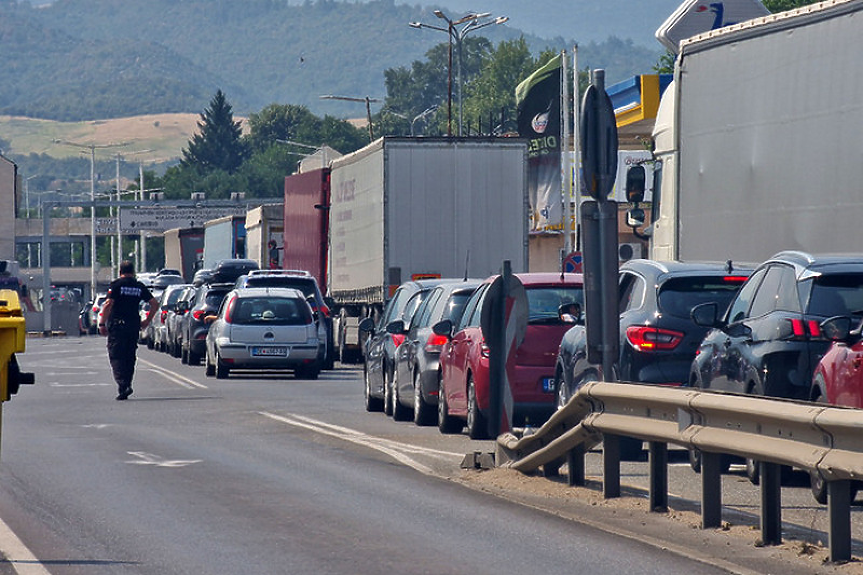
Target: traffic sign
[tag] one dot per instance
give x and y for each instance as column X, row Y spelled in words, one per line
column 599, row 139
column 160, row 219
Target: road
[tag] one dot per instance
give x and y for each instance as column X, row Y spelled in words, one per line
column 259, row 474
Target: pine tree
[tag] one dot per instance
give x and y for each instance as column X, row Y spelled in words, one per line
column 217, row 145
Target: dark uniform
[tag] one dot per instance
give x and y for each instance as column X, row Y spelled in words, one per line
column 123, row 326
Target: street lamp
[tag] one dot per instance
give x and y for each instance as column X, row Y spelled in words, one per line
column 422, row 115
column 368, row 102
column 27, row 196
column 471, row 22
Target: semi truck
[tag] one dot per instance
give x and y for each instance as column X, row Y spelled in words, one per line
column 184, row 250
column 224, row 239
column 265, row 224
column 757, row 140
column 404, row 209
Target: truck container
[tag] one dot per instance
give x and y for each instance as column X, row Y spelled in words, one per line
column 758, row 139
column 406, row 209
column 184, row 250
column 306, row 223
column 224, row 239
column 265, row 224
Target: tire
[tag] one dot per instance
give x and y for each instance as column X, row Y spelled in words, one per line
column 753, row 471
column 372, row 403
column 194, row 358
column 209, row 369
column 150, row 343
column 445, row 422
column 561, row 392
column 695, row 461
column 477, row 426
column 388, row 392
column 184, row 356
column 423, row 412
column 400, row 411
column 308, row 371
column 222, row 370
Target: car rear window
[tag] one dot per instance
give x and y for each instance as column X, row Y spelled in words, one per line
column 836, row 294
column 214, row 298
column 543, row 302
column 677, row 296
column 271, row 311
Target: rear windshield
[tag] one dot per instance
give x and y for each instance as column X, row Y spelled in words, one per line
column 543, row 302
column 271, row 311
column 678, row 296
column 305, row 286
column 835, row 294
column 214, row 299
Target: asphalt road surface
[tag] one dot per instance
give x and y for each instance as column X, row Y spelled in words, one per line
column 260, row 473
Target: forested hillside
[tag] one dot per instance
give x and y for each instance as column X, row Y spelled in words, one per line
column 91, row 59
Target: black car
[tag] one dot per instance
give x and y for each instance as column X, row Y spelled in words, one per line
column 227, row 271
column 658, row 338
column 380, row 346
column 206, row 302
column 417, row 377
column 769, row 341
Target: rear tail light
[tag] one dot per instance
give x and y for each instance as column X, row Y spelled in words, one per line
column 199, row 314
column 435, row 342
column 646, row 338
column 805, row 329
column 485, row 350
column 398, row 339
column 164, row 315
column 325, row 311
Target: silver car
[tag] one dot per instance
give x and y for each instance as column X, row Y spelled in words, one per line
column 264, row 328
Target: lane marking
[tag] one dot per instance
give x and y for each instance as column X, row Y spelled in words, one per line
column 58, row 384
column 180, row 380
column 145, row 458
column 18, row 555
column 398, row 451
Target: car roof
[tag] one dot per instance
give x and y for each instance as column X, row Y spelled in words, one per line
column 547, row 278
column 676, row 268
column 808, row 265
column 271, row 291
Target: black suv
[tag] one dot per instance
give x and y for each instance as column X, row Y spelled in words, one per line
column 194, row 329
column 308, row 285
column 658, row 339
column 769, row 341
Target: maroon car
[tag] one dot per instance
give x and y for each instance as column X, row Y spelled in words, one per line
column 464, row 388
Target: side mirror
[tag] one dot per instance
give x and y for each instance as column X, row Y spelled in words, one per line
column 635, row 218
column 569, row 313
column 635, row 179
column 705, row 314
column 367, row 325
column 837, row 328
column 444, row 328
column 396, row 327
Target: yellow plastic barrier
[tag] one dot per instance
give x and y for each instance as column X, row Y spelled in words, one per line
column 13, row 335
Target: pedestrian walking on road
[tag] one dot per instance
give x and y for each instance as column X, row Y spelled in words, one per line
column 121, row 321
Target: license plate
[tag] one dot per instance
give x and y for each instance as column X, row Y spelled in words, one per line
column 547, row 384
column 269, row 351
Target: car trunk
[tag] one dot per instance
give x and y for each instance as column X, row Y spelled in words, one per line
column 271, row 334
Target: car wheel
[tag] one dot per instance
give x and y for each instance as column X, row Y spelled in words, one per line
column 310, row 371
column 222, row 370
column 388, row 392
column 445, row 422
column 194, row 358
column 695, row 461
column 561, row 392
column 372, row 403
column 184, row 356
column 400, row 411
column 477, row 427
column 150, row 343
column 423, row 413
column 209, row 369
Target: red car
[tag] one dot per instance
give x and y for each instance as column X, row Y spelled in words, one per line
column 464, row 385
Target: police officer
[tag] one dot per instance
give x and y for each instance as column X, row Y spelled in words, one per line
column 120, row 320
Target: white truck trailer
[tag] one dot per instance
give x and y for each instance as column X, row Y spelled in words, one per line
column 759, row 139
column 408, row 208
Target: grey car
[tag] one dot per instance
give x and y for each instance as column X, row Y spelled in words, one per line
column 417, row 376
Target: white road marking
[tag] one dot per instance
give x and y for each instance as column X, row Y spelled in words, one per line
column 97, row 425
column 58, row 384
column 174, row 377
column 18, row 555
column 145, row 458
column 398, row 451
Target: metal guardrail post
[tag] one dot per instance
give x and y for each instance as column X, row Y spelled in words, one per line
column 610, row 466
column 575, row 466
column 658, row 463
column 771, row 503
column 839, row 510
column 711, row 490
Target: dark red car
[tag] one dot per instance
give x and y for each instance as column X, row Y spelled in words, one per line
column 464, row 387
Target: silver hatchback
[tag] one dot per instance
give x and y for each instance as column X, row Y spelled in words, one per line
column 264, row 328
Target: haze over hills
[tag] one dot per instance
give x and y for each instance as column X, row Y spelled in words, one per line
column 93, row 59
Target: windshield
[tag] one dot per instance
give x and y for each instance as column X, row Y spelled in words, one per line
column 543, row 302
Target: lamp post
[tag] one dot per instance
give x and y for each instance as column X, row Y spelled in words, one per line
column 422, row 115
column 27, row 196
column 457, row 35
column 368, row 102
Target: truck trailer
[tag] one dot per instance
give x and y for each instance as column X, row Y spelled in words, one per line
column 224, row 239
column 265, row 224
column 404, row 209
column 184, row 250
column 757, row 140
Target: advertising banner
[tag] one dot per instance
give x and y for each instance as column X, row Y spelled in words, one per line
column 538, row 107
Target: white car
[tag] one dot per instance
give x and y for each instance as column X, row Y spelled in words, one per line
column 264, row 328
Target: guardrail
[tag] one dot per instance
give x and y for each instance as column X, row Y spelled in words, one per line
column 774, row 432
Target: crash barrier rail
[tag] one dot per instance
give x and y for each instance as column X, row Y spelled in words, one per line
column 813, row 437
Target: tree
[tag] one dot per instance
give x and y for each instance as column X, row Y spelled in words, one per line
column 217, row 146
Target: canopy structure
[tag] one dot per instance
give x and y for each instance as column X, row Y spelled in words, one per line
column 635, row 102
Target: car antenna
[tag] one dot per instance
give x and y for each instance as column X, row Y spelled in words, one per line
column 466, row 263
column 729, row 267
